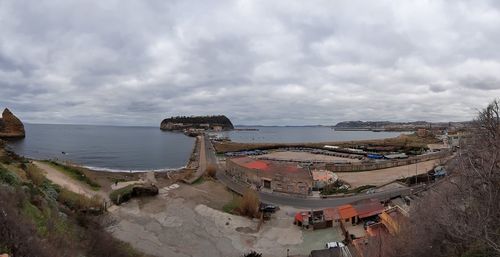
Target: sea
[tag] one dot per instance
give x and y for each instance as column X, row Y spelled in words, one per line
column 134, row 149
column 109, row 148
column 299, row 134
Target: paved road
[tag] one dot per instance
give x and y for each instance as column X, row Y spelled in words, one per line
column 202, row 158
column 298, row 202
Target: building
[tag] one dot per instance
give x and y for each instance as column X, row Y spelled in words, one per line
column 392, row 219
column 270, row 175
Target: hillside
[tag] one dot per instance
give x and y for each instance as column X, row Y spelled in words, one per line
column 197, row 122
column 398, row 126
column 40, row 218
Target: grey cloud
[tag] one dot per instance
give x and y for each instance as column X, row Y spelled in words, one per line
column 259, row 62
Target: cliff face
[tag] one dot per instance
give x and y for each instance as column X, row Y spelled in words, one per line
column 10, row 125
column 217, row 122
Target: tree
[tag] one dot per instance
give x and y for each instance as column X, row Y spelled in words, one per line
column 461, row 215
column 252, row 254
column 249, row 204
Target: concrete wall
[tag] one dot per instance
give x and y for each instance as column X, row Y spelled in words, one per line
column 364, row 166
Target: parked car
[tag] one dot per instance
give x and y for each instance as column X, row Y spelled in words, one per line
column 331, row 245
column 368, row 223
column 268, row 208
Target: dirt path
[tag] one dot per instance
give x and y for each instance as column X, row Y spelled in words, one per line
column 61, row 179
column 383, row 176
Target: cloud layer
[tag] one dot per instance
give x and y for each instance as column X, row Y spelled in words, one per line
column 259, row 62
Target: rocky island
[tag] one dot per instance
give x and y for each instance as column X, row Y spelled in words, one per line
column 185, row 123
column 11, row 126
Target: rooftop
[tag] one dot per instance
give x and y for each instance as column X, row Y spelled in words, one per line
column 272, row 167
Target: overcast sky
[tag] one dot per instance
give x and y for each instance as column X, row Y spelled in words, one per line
column 259, row 62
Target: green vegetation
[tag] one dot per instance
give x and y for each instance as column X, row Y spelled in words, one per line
column 199, row 181
column 233, row 205
column 76, row 201
column 246, row 205
column 8, row 177
column 122, row 195
column 75, row 173
column 38, row 218
column 335, row 189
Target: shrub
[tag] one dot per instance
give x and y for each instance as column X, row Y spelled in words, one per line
column 35, row 175
column 8, row 177
column 249, row 204
column 78, row 202
column 253, row 254
column 211, row 171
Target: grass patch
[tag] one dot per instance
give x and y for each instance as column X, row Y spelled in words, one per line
column 331, row 190
column 75, row 173
column 78, row 202
column 8, row 177
column 37, row 216
column 199, row 181
column 231, row 206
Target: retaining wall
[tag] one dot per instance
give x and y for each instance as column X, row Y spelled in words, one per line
column 364, row 166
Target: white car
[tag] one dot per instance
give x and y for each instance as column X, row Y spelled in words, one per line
column 334, row 245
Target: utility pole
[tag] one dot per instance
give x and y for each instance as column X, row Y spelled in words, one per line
column 416, row 172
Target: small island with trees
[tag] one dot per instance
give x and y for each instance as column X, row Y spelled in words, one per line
column 184, row 123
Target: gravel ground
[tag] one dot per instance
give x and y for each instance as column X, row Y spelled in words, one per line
column 383, row 176
column 180, row 223
column 305, row 157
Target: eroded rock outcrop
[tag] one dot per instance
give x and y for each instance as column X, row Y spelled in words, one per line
column 11, row 126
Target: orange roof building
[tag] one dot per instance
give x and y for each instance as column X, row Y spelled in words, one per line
column 273, row 175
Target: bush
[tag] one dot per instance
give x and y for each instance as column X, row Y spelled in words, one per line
column 249, row 204
column 8, row 177
column 211, row 171
column 253, row 254
column 78, row 202
column 35, row 175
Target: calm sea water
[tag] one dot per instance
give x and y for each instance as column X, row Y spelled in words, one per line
column 106, row 147
column 301, row 135
column 148, row 148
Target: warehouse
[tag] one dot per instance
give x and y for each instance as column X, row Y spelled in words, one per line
column 271, row 175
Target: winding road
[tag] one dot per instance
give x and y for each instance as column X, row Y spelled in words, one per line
column 297, row 202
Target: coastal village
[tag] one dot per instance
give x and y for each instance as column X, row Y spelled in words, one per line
column 331, row 199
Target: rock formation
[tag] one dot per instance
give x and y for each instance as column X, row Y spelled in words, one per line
column 11, row 126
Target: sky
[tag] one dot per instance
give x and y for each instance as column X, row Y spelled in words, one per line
column 263, row 62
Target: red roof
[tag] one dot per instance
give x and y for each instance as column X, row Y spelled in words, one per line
column 271, row 166
column 259, row 165
column 347, row 211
